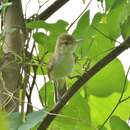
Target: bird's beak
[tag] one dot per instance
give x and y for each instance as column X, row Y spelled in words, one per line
column 78, row 40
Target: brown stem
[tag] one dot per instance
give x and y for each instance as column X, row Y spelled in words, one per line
column 81, row 81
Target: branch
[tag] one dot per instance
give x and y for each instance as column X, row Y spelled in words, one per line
column 81, row 81
column 51, row 9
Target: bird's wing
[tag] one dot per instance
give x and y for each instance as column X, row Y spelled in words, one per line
column 50, row 66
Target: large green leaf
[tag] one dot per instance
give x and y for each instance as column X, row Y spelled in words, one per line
column 94, row 42
column 75, row 115
column 105, row 28
column 15, row 121
column 37, row 25
column 47, row 93
column 39, row 37
column 3, row 121
column 110, row 79
column 117, row 16
column 32, row 120
column 102, row 107
column 83, row 31
column 118, row 124
column 82, row 26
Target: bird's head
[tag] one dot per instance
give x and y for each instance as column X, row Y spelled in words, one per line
column 66, row 43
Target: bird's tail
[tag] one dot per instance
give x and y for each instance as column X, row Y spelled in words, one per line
column 60, row 89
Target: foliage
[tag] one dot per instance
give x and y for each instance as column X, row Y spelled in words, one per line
column 32, row 119
column 89, row 108
column 3, row 121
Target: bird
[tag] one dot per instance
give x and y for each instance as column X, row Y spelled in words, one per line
column 61, row 63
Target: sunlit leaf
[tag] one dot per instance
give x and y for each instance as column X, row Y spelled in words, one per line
column 110, row 79
column 37, row 24
column 39, row 37
column 75, row 115
column 102, row 107
column 3, row 121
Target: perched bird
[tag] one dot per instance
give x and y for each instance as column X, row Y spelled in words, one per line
column 61, row 63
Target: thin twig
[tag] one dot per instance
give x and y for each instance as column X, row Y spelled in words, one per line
column 79, row 15
column 42, row 73
column 123, row 100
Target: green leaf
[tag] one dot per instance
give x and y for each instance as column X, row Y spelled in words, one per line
column 48, row 90
column 82, row 27
column 101, row 107
column 117, row 16
column 110, row 79
column 3, row 121
column 94, row 42
column 15, row 121
column 37, row 24
column 75, row 115
column 32, row 120
column 99, row 128
column 118, row 124
column 39, row 37
column 109, row 4
column 126, row 28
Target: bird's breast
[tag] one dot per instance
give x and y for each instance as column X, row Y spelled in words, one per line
column 62, row 67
